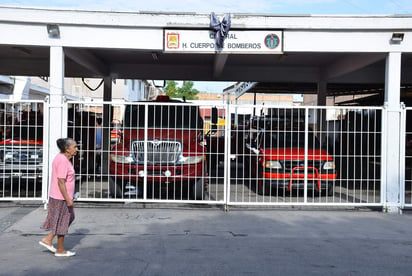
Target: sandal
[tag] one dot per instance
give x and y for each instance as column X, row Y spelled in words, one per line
column 49, row 247
column 67, row 254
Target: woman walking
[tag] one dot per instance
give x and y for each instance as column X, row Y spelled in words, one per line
column 60, row 208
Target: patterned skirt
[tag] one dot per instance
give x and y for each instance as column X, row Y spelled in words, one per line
column 59, row 217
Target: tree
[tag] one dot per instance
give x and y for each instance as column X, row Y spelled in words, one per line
column 187, row 91
column 171, row 89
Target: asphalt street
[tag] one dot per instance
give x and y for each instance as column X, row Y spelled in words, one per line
column 138, row 239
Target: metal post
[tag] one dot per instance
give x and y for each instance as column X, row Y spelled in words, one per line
column 392, row 101
column 227, row 170
column 107, row 97
column 57, row 127
column 403, row 155
column 305, row 197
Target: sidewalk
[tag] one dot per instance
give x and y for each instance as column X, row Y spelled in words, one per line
column 208, row 241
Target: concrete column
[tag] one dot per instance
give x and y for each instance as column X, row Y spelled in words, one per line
column 57, row 127
column 107, row 97
column 392, row 102
column 322, row 92
column 321, row 113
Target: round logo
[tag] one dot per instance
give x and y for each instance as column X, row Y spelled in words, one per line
column 272, row 41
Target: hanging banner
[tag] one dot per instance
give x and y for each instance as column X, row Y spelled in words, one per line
column 202, row 41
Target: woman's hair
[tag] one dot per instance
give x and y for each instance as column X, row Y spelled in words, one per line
column 64, row 143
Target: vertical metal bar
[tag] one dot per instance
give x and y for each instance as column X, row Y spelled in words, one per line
column 342, row 113
column 226, row 181
column 408, row 200
column 376, row 170
column 45, row 160
column 362, row 157
column 146, row 124
column 305, row 196
column 17, row 147
column 355, row 154
column 3, row 147
column 370, row 132
column 402, row 155
column 334, row 132
column 86, row 142
column 291, row 132
column 383, row 156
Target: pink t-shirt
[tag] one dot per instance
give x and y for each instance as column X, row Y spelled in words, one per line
column 61, row 168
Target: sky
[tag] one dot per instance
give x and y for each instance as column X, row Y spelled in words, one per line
column 314, row 7
column 232, row 6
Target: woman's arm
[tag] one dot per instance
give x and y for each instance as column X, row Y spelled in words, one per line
column 63, row 190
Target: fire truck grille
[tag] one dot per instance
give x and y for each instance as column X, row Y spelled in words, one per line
column 158, row 152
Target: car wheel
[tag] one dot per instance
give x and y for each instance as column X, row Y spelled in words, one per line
column 115, row 190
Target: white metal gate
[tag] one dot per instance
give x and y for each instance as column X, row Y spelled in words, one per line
column 221, row 154
column 406, row 151
column 23, row 150
column 280, row 156
column 308, row 156
column 152, row 152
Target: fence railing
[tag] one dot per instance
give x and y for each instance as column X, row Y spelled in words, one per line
column 23, row 148
column 308, row 155
column 177, row 152
column 406, row 151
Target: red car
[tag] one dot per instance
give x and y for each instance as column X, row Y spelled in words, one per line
column 276, row 160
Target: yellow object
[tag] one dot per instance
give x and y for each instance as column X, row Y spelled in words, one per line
column 221, row 122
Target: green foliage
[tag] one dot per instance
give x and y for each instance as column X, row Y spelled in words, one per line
column 186, row 90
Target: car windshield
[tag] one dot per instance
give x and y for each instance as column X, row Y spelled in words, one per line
column 289, row 139
column 163, row 116
column 25, row 132
column 29, row 127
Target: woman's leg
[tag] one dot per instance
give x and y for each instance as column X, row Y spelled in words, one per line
column 48, row 239
column 60, row 244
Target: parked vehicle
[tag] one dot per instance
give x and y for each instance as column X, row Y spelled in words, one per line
column 167, row 148
column 21, row 147
column 274, row 161
column 21, row 150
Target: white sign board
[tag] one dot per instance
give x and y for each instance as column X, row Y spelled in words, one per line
column 203, row 41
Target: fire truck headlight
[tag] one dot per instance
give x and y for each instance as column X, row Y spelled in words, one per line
column 122, row 159
column 188, row 160
column 273, row 164
column 329, row 165
column 9, row 156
